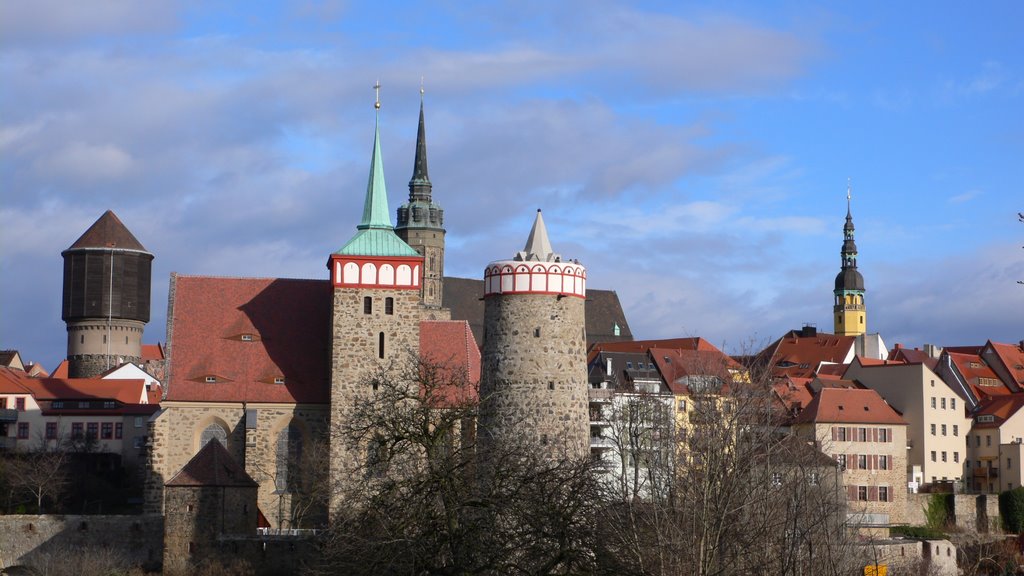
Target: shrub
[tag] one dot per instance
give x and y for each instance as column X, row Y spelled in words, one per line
column 922, row 532
column 1011, row 509
column 939, row 513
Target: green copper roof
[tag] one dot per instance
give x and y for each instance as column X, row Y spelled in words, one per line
column 376, row 236
column 376, row 242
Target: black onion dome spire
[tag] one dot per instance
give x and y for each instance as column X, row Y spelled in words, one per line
column 420, row 212
column 849, row 279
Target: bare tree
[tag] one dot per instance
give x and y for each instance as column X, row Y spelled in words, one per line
column 41, row 473
column 741, row 496
column 420, row 503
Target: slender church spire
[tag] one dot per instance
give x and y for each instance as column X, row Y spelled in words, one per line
column 419, row 185
column 375, row 209
column 421, row 220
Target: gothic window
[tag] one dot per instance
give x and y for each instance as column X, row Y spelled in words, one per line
column 214, row 431
column 288, row 461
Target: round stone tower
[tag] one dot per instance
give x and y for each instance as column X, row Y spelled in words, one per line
column 107, row 276
column 533, row 384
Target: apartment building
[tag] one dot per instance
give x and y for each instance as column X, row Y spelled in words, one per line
column 937, row 421
column 869, row 441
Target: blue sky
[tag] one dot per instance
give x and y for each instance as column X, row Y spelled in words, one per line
column 695, row 158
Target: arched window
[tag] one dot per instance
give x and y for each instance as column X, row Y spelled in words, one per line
column 214, row 431
column 288, row 459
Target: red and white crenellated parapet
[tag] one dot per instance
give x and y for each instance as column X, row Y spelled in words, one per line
column 396, row 272
column 533, row 277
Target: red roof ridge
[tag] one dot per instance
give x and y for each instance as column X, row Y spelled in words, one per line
column 254, row 278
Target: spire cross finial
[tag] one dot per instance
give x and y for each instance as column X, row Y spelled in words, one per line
column 421, row 88
column 376, row 89
column 848, row 187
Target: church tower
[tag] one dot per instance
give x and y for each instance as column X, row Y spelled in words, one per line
column 375, row 279
column 533, row 385
column 421, row 222
column 107, row 274
column 849, row 312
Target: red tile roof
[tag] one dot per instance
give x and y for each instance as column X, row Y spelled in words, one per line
column 800, row 356
column 450, row 345
column 212, row 466
column 151, row 352
column 981, row 378
column 1001, row 408
column 849, row 405
column 676, row 365
column 642, row 346
column 794, row 393
column 61, row 371
column 11, row 381
column 124, row 391
column 290, row 324
column 1011, row 356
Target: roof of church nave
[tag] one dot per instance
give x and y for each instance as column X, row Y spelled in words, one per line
column 244, row 333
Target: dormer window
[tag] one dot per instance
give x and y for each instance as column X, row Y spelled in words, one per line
column 57, row 404
column 211, row 379
column 108, row 404
column 279, row 380
column 83, row 404
column 246, row 337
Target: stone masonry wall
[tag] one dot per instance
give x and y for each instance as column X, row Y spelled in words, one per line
column 355, row 353
column 534, row 376
column 176, row 432
column 26, row 539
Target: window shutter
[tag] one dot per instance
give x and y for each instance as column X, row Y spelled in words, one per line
column 875, row 461
column 851, row 493
column 873, row 493
column 835, row 434
column 874, row 434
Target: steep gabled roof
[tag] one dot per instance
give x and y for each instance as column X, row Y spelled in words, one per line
column 800, row 356
column 152, row 352
column 291, row 320
column 848, row 406
column 677, row 367
column 11, row 359
column 12, row 381
column 212, row 466
column 108, row 232
column 984, row 382
column 1001, row 408
column 1011, row 358
column 450, row 345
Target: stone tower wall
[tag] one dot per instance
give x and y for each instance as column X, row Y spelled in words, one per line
column 355, row 354
column 429, row 242
column 88, row 340
column 534, row 376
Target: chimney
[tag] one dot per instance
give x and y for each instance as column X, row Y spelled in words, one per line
column 808, row 331
column 932, row 350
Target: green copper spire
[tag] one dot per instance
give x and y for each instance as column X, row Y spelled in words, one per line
column 376, row 236
column 375, row 208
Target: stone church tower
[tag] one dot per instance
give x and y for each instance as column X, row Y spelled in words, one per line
column 107, row 274
column 421, row 222
column 375, row 279
column 534, row 366
column 849, row 312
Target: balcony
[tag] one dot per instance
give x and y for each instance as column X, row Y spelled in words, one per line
column 8, row 415
column 600, row 394
column 986, row 473
column 600, row 442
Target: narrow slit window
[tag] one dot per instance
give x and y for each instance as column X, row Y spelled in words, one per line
column 536, row 332
column 380, row 345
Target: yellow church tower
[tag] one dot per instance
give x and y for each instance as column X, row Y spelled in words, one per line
column 849, row 312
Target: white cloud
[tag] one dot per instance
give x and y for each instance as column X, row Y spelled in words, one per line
column 84, row 161
column 965, row 197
